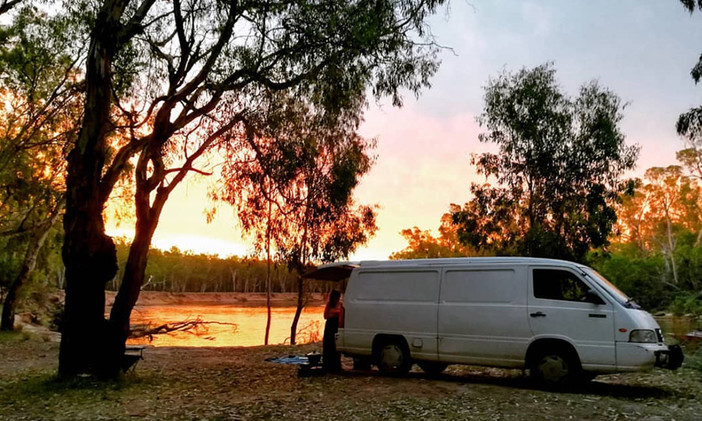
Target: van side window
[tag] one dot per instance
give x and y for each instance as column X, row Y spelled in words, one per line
column 553, row 284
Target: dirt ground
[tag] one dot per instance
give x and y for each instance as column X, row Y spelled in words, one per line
column 237, row 383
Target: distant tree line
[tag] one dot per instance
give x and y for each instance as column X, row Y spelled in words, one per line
column 184, row 271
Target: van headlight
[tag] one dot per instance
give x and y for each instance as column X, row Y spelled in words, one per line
column 643, row 336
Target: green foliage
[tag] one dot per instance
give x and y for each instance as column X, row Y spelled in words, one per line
column 40, row 96
column 558, row 169
column 642, row 278
column 657, row 255
column 10, row 261
column 689, row 124
column 648, row 277
column 685, row 304
column 38, row 295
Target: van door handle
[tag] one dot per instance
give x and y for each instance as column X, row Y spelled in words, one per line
column 537, row 314
column 597, row 316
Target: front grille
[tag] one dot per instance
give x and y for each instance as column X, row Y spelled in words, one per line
column 659, row 335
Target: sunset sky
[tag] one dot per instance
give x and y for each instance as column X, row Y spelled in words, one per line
column 641, row 49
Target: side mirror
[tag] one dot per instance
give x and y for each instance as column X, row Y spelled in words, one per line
column 592, row 297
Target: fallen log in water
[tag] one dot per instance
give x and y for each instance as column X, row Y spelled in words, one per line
column 196, row 327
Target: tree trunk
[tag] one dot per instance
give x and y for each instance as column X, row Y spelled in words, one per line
column 90, row 258
column 298, row 311
column 35, row 245
column 268, row 271
column 147, row 215
column 89, row 255
column 671, row 247
column 131, row 282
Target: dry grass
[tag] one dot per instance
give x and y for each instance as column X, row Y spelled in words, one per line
column 237, row 383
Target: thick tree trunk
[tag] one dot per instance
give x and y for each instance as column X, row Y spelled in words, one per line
column 298, row 312
column 35, row 245
column 90, row 258
column 89, row 255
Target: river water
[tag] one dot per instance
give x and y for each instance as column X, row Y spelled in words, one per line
column 229, row 325
column 245, row 326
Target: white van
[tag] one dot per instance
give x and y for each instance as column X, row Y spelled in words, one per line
column 561, row 320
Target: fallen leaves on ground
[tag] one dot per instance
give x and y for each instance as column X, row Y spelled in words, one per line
column 237, row 383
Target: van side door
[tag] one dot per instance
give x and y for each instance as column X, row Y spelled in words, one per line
column 559, row 308
column 482, row 316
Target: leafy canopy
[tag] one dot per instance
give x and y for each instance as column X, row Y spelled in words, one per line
column 294, row 183
column 557, row 171
column 689, row 124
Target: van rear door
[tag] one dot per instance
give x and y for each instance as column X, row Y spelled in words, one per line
column 401, row 302
column 558, row 308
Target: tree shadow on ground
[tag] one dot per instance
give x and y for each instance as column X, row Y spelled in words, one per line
column 515, row 380
column 35, row 385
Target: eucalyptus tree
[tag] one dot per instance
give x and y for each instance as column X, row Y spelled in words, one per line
column 39, row 114
column 166, row 81
column 558, row 168
column 293, row 187
column 424, row 245
column 689, row 124
column 664, row 208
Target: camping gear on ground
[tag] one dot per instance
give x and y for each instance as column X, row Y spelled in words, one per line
column 307, row 365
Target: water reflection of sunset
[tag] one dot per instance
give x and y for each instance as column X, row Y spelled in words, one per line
column 250, row 321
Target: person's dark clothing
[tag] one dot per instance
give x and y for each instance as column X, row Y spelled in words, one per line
column 331, row 358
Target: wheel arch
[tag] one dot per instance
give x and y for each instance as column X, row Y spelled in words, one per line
column 384, row 338
column 539, row 346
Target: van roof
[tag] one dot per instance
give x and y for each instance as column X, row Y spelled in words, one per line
column 337, row 268
column 465, row 261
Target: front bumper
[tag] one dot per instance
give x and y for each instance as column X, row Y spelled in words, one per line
column 672, row 358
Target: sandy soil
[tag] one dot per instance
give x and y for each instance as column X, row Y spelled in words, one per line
column 237, row 383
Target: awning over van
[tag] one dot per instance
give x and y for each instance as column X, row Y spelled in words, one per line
column 332, row 271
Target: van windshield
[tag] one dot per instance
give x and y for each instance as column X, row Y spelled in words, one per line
column 615, row 292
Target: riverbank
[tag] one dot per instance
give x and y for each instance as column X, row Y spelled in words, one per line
column 237, row 383
column 239, row 299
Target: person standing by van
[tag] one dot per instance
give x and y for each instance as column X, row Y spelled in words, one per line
column 333, row 313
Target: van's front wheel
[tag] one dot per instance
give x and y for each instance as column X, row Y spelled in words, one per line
column 393, row 359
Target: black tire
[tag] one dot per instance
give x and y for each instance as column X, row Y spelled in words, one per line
column 393, row 358
column 432, row 368
column 362, row 363
column 586, row 377
column 554, row 369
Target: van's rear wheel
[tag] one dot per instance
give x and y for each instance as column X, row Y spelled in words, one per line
column 393, row 358
column 432, row 368
column 554, row 368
